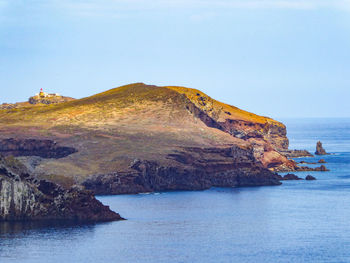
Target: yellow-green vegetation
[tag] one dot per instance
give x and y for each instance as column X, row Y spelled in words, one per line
column 119, row 103
column 113, row 128
column 218, row 110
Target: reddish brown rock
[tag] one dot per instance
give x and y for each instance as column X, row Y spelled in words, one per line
column 319, row 149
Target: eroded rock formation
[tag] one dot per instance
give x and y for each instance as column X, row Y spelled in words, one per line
column 24, row 198
column 194, row 169
column 319, row 149
column 34, row 147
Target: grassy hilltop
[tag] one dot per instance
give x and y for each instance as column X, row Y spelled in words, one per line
column 136, row 121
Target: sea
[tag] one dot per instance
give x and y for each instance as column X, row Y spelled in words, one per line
column 299, row 221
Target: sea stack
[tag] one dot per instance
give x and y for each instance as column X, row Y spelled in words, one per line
column 319, row 149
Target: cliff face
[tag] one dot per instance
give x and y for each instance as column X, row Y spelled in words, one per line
column 32, row 147
column 237, row 122
column 193, row 169
column 179, row 138
column 23, row 197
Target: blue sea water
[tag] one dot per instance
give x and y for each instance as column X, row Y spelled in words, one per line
column 300, row 221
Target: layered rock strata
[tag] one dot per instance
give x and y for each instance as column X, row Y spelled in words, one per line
column 24, row 198
column 194, row 169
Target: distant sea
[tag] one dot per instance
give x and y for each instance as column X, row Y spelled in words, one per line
column 299, row 221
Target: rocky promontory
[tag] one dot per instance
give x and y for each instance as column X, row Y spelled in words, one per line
column 142, row 138
column 24, row 198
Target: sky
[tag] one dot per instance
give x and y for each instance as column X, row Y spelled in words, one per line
column 277, row 58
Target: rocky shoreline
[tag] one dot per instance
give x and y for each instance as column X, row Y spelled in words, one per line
column 25, row 198
column 195, row 170
column 133, row 139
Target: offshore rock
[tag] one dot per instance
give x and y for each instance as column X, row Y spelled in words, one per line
column 322, row 168
column 322, row 161
column 24, row 198
column 290, row 177
column 319, row 149
column 310, row 178
column 296, row 153
column 304, row 162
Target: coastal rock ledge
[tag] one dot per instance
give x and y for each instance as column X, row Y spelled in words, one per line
column 24, row 198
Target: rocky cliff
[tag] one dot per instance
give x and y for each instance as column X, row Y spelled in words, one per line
column 23, row 198
column 193, row 169
column 139, row 137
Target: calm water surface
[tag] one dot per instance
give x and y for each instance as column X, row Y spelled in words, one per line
column 303, row 221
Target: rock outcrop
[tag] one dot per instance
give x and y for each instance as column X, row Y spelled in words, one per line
column 52, row 99
column 322, row 168
column 194, row 169
column 24, row 198
column 288, row 177
column 34, row 147
column 296, row 153
column 319, row 149
column 310, row 178
column 322, row 161
column 304, row 162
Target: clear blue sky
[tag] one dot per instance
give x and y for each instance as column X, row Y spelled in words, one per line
column 287, row 58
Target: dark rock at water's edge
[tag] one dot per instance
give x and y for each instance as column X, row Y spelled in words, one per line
column 195, row 170
column 310, row 178
column 34, row 147
column 289, row 177
column 319, row 149
column 24, row 198
column 304, row 162
column 322, row 168
column 296, row 153
column 322, row 161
